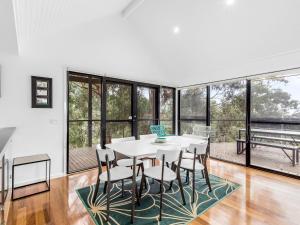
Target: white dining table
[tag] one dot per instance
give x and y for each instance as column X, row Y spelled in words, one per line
column 143, row 148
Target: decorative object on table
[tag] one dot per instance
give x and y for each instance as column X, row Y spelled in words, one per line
column 41, row 92
column 148, row 213
column 159, row 130
column 27, row 160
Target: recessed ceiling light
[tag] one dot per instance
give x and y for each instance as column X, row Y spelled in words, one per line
column 230, row 2
column 176, row 30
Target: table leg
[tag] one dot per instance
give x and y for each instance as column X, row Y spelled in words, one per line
column 133, row 190
column 49, row 174
column 13, row 182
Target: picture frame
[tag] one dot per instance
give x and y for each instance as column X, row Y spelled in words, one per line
column 41, row 92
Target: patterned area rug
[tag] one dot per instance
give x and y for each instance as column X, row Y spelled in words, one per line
column 173, row 210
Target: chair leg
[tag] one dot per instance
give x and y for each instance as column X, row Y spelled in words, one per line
column 108, row 202
column 161, row 199
column 143, row 169
column 105, row 187
column 141, row 186
column 138, row 170
column 96, row 189
column 171, row 184
column 137, row 195
column 207, row 179
column 187, row 179
column 181, row 189
column 122, row 188
column 193, row 199
column 202, row 173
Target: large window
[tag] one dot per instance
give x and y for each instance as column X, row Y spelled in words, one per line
column 192, row 109
column 227, row 112
column 167, row 103
column 275, row 107
column 255, row 122
column 146, row 113
column 84, row 121
column 102, row 108
column 118, row 110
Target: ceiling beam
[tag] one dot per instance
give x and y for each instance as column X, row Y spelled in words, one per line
column 131, row 7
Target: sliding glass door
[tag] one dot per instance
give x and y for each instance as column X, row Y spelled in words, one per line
column 228, row 114
column 275, row 123
column 119, row 116
column 192, row 110
column 167, row 109
column 254, row 122
column 102, row 108
column 146, row 109
column 84, row 114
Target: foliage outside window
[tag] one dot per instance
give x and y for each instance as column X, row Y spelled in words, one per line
column 166, row 109
column 79, row 121
column 146, row 109
column 192, row 109
column 228, row 110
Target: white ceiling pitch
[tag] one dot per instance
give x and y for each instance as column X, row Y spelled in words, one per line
column 131, row 7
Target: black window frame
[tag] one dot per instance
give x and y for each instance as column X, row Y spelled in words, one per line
column 248, row 120
column 103, row 122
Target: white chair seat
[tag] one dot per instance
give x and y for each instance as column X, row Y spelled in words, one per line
column 187, row 155
column 128, row 162
column 155, row 172
column 117, row 173
column 188, row 164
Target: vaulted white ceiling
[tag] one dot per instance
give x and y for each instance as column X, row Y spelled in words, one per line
column 214, row 39
column 8, row 36
column 35, row 18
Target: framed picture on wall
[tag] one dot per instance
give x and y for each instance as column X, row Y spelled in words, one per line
column 41, row 92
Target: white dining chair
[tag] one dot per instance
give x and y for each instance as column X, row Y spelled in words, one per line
column 147, row 137
column 112, row 174
column 163, row 173
column 127, row 162
column 186, row 154
column 200, row 152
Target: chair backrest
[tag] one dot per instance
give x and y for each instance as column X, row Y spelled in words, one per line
column 201, row 149
column 171, row 155
column 124, row 139
column 201, row 130
column 159, row 130
column 195, row 136
column 102, row 154
column 148, row 136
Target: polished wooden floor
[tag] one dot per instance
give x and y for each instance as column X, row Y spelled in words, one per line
column 263, row 198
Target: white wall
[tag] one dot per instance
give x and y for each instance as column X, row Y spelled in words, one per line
column 8, row 37
column 111, row 48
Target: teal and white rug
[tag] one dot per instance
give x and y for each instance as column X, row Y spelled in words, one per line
column 173, row 211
